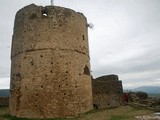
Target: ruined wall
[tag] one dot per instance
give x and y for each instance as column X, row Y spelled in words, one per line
column 107, row 92
column 4, row 101
column 50, row 70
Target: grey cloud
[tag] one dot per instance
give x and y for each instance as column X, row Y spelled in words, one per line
column 125, row 39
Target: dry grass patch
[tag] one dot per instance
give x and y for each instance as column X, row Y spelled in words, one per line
column 121, row 113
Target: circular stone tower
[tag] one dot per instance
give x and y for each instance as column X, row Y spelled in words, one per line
column 50, row 71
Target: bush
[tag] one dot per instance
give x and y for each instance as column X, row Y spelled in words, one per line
column 142, row 95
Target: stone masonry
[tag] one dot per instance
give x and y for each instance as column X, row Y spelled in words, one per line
column 50, row 69
column 107, row 92
column 4, row 101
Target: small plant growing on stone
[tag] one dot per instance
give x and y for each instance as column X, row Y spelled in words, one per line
column 90, row 25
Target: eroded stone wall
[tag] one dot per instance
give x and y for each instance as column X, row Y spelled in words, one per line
column 50, row 70
column 107, row 92
column 4, row 101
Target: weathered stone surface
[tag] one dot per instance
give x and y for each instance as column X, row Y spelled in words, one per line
column 148, row 117
column 107, row 92
column 50, row 72
column 4, row 101
column 141, row 99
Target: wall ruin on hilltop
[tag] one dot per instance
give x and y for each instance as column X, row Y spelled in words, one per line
column 4, row 101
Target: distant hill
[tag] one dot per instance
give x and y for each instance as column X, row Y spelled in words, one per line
column 148, row 89
column 4, row 92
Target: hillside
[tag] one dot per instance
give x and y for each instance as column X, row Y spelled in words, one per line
column 4, row 92
column 148, row 89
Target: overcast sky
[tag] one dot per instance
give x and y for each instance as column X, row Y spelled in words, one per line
column 125, row 39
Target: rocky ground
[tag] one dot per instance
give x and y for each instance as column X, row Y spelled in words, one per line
column 148, row 117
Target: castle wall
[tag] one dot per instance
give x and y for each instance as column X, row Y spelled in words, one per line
column 4, row 101
column 50, row 69
column 107, row 92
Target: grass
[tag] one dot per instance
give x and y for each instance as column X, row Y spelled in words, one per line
column 121, row 113
column 120, row 117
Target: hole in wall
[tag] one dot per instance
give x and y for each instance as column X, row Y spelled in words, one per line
column 32, row 63
column 59, row 86
column 66, row 71
column 51, row 63
column 83, row 37
column 18, row 75
column 95, row 106
column 46, row 75
column 51, row 71
column 64, row 93
column 42, row 86
column 41, row 56
column 75, row 86
column 86, row 70
column 45, row 12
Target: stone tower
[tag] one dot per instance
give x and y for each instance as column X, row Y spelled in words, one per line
column 50, row 70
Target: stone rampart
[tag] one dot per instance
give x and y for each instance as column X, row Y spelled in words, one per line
column 4, row 101
column 107, row 92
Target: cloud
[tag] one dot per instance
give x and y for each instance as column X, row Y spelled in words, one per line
column 131, row 47
column 124, row 41
column 4, row 83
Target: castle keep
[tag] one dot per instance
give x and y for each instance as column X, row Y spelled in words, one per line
column 50, row 68
column 107, row 92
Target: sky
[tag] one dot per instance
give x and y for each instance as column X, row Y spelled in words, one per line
column 125, row 39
